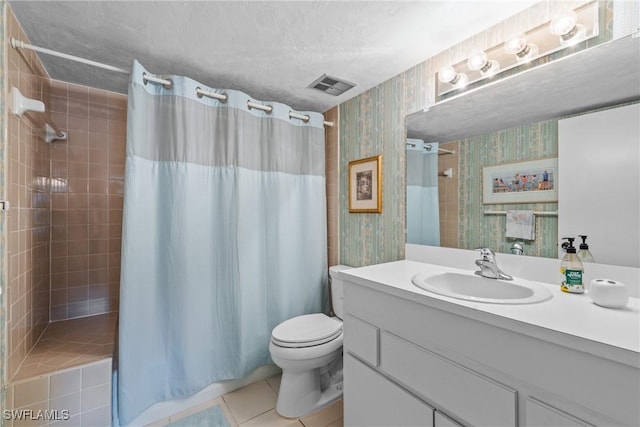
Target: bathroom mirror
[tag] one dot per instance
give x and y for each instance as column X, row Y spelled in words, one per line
column 514, row 119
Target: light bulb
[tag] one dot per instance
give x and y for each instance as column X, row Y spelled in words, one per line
column 479, row 61
column 519, row 47
column 563, row 24
column 447, row 74
column 515, row 45
column 566, row 27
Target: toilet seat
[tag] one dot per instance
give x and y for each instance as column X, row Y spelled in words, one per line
column 306, row 331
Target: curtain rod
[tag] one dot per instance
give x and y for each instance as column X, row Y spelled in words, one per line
column 17, row 44
column 440, row 150
column 445, row 151
column 540, row 213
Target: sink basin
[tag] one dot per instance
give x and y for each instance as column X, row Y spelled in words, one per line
column 471, row 287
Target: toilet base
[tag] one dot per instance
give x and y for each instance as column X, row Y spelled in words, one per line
column 302, row 393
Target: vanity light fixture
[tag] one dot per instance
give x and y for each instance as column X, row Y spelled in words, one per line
column 448, row 74
column 479, row 61
column 523, row 50
column 558, row 32
column 566, row 27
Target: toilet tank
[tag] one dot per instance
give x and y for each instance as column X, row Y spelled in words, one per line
column 337, row 287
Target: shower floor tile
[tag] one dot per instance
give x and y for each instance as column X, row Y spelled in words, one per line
column 70, row 343
column 254, row 405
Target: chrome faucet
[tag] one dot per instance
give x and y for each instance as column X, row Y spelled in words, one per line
column 489, row 267
column 517, row 248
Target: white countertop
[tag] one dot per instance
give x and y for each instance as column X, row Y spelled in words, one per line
column 571, row 320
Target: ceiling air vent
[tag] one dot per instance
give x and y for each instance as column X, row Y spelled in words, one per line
column 331, row 85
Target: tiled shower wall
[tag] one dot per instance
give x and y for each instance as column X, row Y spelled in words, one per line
column 448, row 195
column 27, row 245
column 64, row 226
column 87, row 173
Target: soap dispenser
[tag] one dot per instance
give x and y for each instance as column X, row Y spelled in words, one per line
column 571, row 269
column 583, row 253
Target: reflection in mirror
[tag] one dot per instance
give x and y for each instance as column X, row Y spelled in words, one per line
column 422, row 193
column 432, row 193
column 516, row 120
column 463, row 220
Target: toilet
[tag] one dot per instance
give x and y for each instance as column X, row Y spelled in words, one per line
column 308, row 349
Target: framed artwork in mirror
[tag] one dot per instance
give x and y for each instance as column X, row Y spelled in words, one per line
column 365, row 185
column 521, row 182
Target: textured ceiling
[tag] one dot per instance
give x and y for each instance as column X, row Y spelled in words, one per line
column 271, row 50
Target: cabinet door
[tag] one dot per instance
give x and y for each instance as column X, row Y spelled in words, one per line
column 540, row 414
column 361, row 338
column 372, row 400
column 465, row 394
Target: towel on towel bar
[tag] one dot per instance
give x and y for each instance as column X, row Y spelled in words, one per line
column 521, row 225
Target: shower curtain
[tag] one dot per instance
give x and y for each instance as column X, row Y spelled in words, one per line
column 423, row 211
column 224, row 236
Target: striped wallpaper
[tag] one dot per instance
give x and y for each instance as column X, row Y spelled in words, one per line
column 372, row 124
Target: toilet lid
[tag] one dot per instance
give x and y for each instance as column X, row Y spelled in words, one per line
column 308, row 329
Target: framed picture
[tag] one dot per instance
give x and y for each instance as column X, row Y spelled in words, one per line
column 521, row 182
column 365, row 185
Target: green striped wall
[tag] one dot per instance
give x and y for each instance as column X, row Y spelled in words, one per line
column 372, row 124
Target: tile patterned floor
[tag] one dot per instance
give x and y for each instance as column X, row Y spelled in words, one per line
column 254, row 406
column 70, row 343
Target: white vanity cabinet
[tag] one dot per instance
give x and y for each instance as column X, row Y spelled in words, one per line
column 410, row 362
